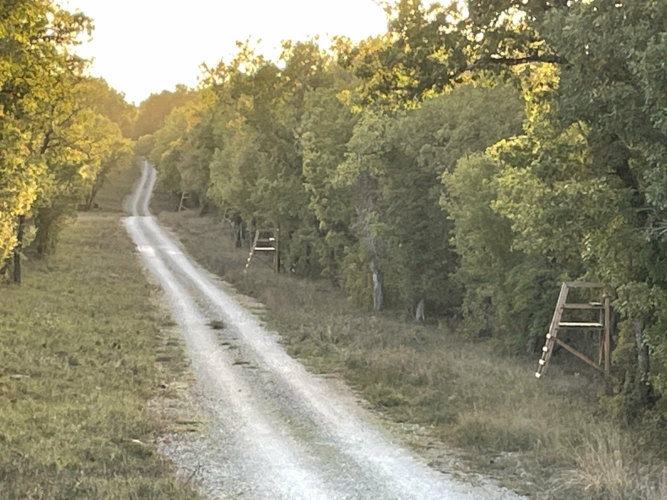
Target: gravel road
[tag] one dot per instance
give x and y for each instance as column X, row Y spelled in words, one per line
column 274, row 430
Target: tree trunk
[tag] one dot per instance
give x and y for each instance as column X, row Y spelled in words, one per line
column 18, row 250
column 642, row 382
column 204, row 207
column 419, row 313
column 377, row 287
column 88, row 203
column 238, row 232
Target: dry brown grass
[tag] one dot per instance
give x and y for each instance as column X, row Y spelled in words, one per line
column 542, row 438
column 611, row 466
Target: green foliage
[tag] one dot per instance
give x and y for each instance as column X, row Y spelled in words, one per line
column 328, row 127
column 398, row 167
column 175, row 154
column 581, row 193
column 61, row 133
column 36, row 76
column 421, row 146
column 354, row 192
column 618, row 89
column 642, row 332
column 257, row 168
column 96, row 94
column 80, row 153
column 152, row 112
column 508, row 295
column 355, row 278
column 144, row 145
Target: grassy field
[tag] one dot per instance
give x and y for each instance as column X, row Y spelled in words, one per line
column 548, row 439
column 78, row 347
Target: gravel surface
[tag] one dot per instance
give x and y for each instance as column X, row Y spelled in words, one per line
column 274, row 431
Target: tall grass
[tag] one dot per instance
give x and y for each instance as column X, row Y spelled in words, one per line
column 608, row 465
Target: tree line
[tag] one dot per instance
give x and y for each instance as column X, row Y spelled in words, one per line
column 461, row 165
column 61, row 132
column 464, row 164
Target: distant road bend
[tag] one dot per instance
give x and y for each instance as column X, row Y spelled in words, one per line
column 274, row 430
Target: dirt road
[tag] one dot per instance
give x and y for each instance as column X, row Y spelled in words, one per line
column 275, row 431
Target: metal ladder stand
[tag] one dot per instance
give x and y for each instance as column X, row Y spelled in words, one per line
column 557, row 324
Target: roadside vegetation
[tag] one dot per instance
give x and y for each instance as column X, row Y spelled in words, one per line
column 461, row 167
column 548, row 439
column 456, row 171
column 78, row 347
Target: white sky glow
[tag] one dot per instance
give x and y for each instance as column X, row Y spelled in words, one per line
column 146, row 46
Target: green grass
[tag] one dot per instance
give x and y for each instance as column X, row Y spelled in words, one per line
column 119, row 184
column 78, row 347
column 548, row 439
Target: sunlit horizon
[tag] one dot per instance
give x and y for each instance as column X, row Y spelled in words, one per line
column 142, row 47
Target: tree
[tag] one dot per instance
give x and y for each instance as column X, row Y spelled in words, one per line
column 115, row 117
column 257, row 171
column 96, row 94
column 399, row 159
column 434, row 48
column 154, row 110
column 327, row 128
column 37, row 72
column 82, row 150
column 170, row 145
column 60, row 132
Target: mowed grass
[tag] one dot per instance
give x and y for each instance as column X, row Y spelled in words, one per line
column 78, row 346
column 548, row 439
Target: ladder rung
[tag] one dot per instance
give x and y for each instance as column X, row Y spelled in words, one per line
column 545, row 349
column 266, row 240
column 596, row 326
column 592, row 305
column 538, row 374
column 264, row 249
column 541, row 362
column 583, row 284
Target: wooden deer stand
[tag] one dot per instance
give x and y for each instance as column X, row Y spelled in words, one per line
column 557, row 324
column 266, row 241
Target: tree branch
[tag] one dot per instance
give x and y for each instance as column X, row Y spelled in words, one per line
column 45, row 142
column 514, row 61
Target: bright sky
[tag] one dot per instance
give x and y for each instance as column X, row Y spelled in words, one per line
column 145, row 46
